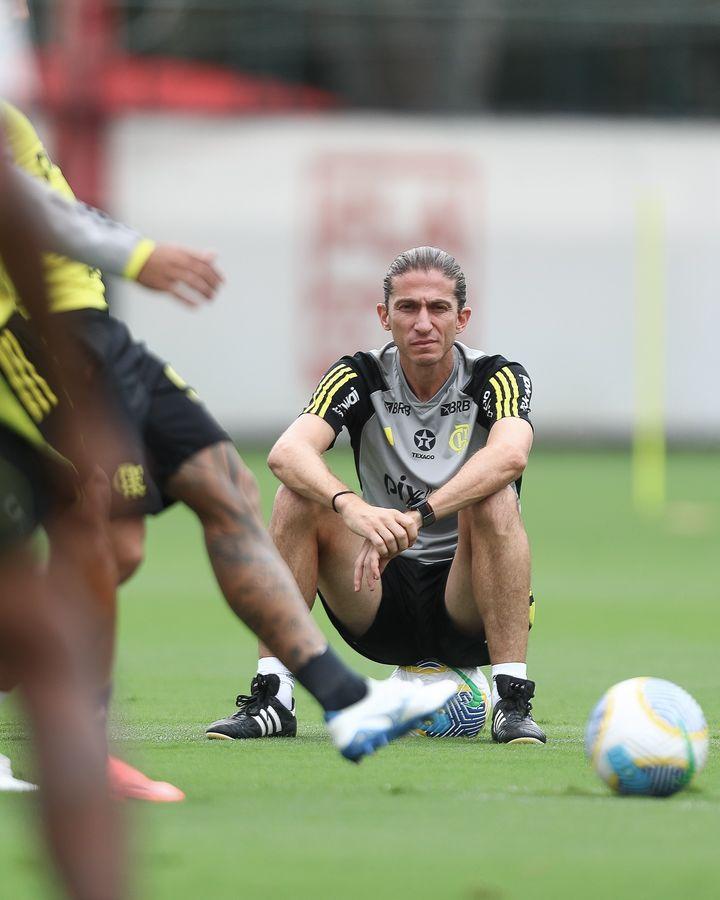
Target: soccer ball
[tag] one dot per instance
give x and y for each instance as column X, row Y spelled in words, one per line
column 464, row 714
column 646, row 736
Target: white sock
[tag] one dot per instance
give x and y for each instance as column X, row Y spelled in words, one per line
column 271, row 665
column 515, row 670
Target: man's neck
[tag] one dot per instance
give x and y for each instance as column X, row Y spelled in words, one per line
column 426, row 381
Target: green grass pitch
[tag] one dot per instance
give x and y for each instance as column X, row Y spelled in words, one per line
column 617, row 596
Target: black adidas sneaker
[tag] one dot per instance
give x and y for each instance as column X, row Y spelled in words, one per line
column 512, row 721
column 260, row 714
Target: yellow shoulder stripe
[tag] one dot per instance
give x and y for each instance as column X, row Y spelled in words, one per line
column 328, row 380
column 498, row 398
column 515, row 389
column 334, row 391
column 508, row 393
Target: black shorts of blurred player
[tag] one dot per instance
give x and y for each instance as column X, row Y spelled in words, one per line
column 412, row 620
column 33, row 486
column 165, row 423
column 180, row 454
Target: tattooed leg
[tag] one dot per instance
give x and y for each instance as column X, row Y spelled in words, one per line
column 255, row 581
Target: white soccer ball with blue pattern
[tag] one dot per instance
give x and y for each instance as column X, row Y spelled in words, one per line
column 466, row 712
column 647, row 736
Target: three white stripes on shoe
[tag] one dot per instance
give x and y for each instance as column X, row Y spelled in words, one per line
column 269, row 721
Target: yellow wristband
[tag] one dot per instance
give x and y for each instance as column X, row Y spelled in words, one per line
column 138, row 258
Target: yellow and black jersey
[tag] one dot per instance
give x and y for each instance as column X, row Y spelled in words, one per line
column 70, row 284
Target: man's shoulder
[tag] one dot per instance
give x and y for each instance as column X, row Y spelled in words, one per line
column 469, row 357
column 477, row 367
column 374, row 366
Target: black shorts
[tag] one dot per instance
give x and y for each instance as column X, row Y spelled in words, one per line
column 32, row 485
column 412, row 621
column 163, row 420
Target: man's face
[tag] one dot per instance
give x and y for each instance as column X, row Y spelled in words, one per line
column 422, row 315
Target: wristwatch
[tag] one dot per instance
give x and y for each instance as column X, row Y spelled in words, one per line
column 427, row 513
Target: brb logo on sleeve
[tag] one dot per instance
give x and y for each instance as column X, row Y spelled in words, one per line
column 424, row 441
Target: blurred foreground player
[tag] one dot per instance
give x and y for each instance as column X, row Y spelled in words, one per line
column 44, row 642
column 432, row 561
column 67, row 227
column 181, row 453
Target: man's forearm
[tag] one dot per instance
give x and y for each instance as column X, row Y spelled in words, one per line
column 301, row 468
column 485, row 473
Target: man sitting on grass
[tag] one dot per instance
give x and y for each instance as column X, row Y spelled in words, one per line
column 432, row 561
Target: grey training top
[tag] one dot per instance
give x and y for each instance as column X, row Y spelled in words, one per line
column 404, row 448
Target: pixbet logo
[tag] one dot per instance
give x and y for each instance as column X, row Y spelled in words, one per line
column 406, row 492
column 525, row 402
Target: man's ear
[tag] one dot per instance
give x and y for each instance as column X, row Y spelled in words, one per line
column 463, row 318
column 384, row 316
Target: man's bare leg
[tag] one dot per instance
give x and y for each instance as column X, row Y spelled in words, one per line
column 307, row 534
column 127, row 535
column 488, row 590
column 44, row 646
column 320, row 550
column 84, row 563
column 489, row 583
column 82, row 570
column 254, row 580
column 384, row 710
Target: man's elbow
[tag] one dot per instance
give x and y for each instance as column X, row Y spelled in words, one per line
column 517, row 460
column 278, row 458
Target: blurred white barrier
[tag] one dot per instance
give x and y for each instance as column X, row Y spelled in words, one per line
column 307, row 213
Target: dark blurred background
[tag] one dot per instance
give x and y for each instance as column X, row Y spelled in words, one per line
column 658, row 58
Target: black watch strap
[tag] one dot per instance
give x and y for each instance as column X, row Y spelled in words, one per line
column 427, row 513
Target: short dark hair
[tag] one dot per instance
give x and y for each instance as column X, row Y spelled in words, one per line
column 428, row 259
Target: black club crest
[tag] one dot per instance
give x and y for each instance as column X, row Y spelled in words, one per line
column 424, row 440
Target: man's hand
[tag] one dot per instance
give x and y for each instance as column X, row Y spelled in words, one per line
column 390, row 531
column 189, row 275
column 369, row 565
column 387, row 533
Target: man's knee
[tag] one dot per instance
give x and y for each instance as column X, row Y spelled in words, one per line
column 128, row 540
column 292, row 510
column 498, row 514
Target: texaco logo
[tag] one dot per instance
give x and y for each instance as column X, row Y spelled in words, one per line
column 424, row 440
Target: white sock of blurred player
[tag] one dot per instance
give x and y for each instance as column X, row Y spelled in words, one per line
column 271, row 665
column 8, row 782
